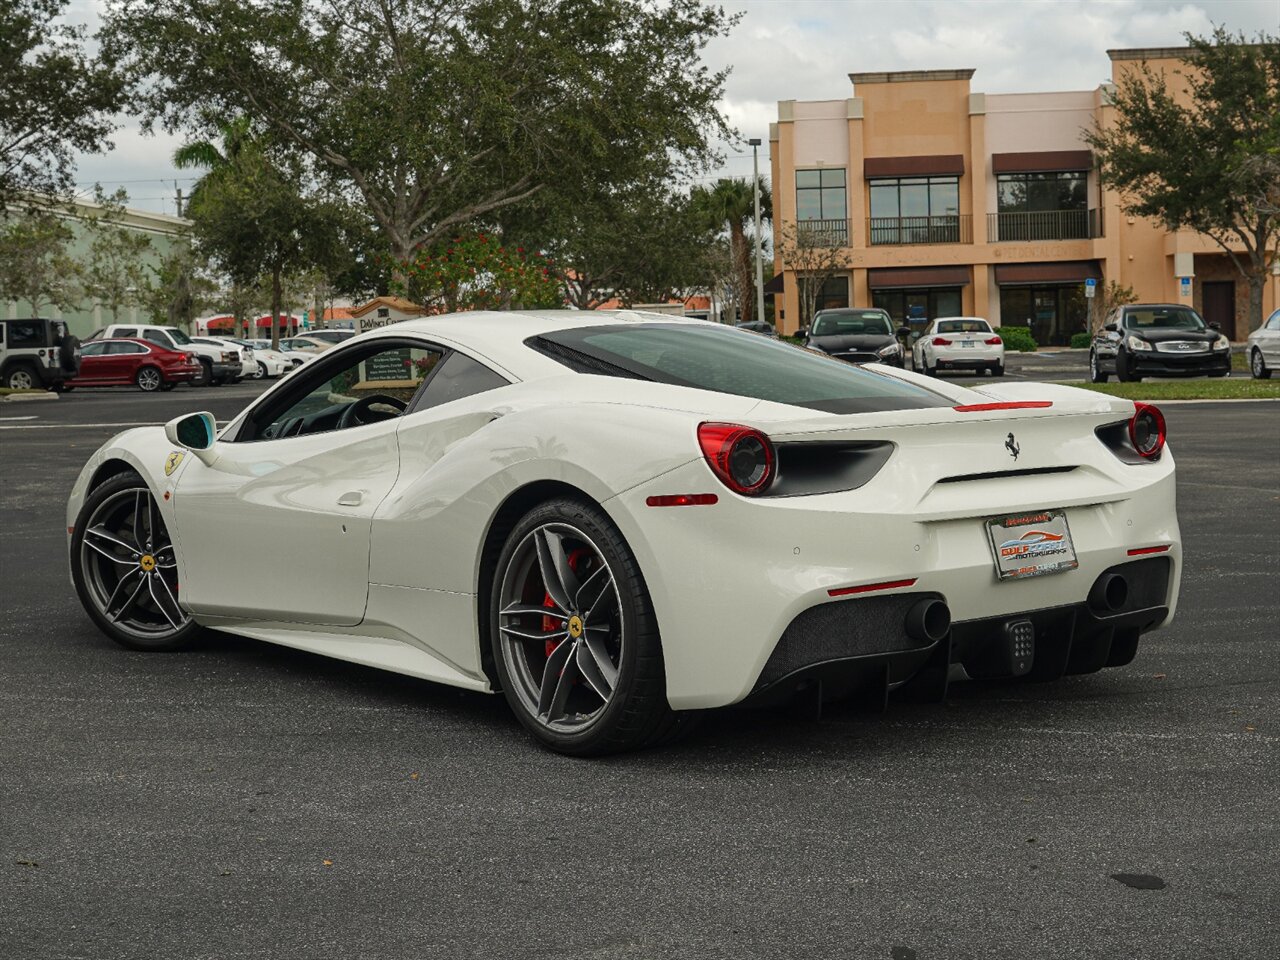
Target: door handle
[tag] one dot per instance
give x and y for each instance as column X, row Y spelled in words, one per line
column 351, row 499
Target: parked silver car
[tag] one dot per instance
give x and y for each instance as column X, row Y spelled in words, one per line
column 1263, row 348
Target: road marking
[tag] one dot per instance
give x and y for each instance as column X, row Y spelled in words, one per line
column 17, row 418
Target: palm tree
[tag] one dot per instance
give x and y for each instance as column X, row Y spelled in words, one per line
column 729, row 202
column 234, row 135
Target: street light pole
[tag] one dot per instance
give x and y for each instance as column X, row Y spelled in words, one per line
column 755, row 190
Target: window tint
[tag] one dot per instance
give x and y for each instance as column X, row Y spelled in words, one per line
column 95, row 349
column 832, row 322
column 24, row 333
column 963, row 326
column 1274, row 322
column 177, row 336
column 725, row 360
column 1175, row 318
column 156, row 336
column 459, row 376
column 126, row 348
column 125, row 332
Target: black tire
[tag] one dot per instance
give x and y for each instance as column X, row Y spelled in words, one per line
column 206, row 374
column 141, row 622
column 149, row 379
column 998, row 370
column 166, row 387
column 262, row 372
column 22, row 376
column 1124, row 372
column 1258, row 365
column 635, row 712
column 1096, row 373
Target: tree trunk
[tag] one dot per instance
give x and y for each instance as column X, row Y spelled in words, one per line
column 1257, row 283
column 276, row 295
column 741, row 271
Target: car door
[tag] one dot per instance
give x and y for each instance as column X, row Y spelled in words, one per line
column 277, row 525
column 93, row 363
column 1270, row 341
column 122, row 361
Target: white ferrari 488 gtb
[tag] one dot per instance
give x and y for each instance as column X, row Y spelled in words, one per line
column 620, row 519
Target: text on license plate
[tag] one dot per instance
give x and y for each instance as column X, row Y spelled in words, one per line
column 1031, row 544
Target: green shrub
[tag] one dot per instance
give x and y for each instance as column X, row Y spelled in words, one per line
column 1081, row 341
column 1018, row 339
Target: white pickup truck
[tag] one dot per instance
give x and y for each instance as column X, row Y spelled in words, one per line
column 221, row 362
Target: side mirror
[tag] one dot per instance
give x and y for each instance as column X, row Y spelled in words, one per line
column 1114, row 328
column 904, row 332
column 195, row 432
column 803, row 333
column 1214, row 325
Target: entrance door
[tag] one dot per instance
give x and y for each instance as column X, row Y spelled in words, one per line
column 1220, row 305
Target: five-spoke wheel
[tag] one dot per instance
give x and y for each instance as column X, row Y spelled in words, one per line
column 573, row 634
column 125, row 569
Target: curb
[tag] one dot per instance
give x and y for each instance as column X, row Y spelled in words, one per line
column 27, row 397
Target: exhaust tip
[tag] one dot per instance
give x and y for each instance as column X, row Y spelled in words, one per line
column 1110, row 592
column 928, row 621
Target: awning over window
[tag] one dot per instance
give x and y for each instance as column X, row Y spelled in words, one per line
column 896, row 278
column 1046, row 161
column 937, row 166
column 1067, row 271
column 774, row 285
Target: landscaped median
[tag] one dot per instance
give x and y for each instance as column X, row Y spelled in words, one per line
column 1237, row 389
column 7, row 393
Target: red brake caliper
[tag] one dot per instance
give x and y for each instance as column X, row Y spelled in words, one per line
column 550, row 623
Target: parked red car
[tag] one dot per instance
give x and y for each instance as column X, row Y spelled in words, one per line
column 122, row 362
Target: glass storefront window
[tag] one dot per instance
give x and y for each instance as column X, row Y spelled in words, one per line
column 915, row 210
column 916, row 308
column 1053, row 313
column 820, row 195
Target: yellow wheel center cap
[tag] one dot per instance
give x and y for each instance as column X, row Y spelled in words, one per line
column 147, row 563
column 575, row 627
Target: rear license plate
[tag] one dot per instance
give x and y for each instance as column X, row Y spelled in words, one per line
column 966, row 343
column 1031, row 544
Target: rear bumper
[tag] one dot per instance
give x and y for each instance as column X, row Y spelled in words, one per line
column 227, row 371
column 967, row 359
column 728, row 581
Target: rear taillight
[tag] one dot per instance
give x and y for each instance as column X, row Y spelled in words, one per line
column 941, row 342
column 993, row 341
column 742, row 457
column 1147, row 430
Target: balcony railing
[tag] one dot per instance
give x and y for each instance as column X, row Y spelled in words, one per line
column 1044, row 225
column 824, row 233
column 954, row 228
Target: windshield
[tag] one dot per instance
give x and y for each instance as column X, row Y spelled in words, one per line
column 832, row 323
column 178, row 336
column 1163, row 318
column 731, row 361
column 963, row 326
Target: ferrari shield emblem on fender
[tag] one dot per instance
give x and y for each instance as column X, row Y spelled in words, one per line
column 171, row 464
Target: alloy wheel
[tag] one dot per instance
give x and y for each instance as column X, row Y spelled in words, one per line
column 561, row 628
column 1256, row 366
column 21, row 379
column 129, row 568
column 149, row 379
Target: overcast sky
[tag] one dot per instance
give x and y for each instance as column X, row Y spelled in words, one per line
column 805, row 49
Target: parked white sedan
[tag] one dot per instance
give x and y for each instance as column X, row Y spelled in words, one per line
column 618, row 519
column 1263, row 348
column 958, row 343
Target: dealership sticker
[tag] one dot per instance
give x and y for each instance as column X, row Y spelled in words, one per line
column 1031, row 544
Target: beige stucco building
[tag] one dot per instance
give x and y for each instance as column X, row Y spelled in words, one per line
column 944, row 200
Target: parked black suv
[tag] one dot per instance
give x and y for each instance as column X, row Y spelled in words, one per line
column 1158, row 340
column 36, row 353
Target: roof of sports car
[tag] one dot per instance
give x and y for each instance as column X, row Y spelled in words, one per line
column 499, row 336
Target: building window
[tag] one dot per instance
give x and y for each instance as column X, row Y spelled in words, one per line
column 834, row 292
column 820, row 195
column 916, row 308
column 1043, row 206
column 915, row 210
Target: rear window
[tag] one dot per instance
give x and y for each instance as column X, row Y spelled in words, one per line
column 830, row 323
column 731, row 361
column 963, row 326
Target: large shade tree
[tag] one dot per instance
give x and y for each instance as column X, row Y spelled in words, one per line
column 438, row 113
column 55, row 100
column 1200, row 149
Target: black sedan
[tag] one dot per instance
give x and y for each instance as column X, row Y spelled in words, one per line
column 855, row 335
column 1157, row 340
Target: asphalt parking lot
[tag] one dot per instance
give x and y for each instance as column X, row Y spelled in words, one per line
column 247, row 800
